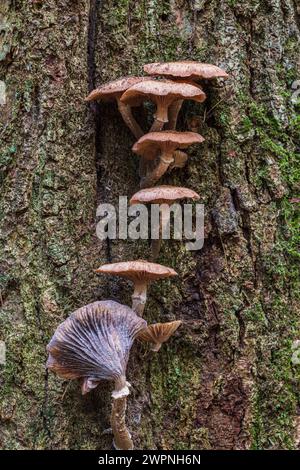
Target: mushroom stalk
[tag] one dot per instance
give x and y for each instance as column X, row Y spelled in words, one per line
column 157, row 126
column 143, row 167
column 161, row 115
column 139, row 297
column 122, row 437
column 155, row 347
column 173, row 114
column 129, row 120
column 156, row 244
column 165, row 161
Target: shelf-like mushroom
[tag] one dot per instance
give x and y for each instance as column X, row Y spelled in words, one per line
column 93, row 344
column 163, row 94
column 183, row 71
column 162, row 195
column 158, row 333
column 114, row 90
column 141, row 273
column 164, row 143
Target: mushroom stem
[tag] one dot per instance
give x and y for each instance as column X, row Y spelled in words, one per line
column 165, row 161
column 143, row 167
column 156, row 244
column 156, row 126
column 173, row 114
column 155, row 347
column 129, row 120
column 162, row 106
column 155, row 248
column 122, row 437
column 139, row 297
column 161, row 115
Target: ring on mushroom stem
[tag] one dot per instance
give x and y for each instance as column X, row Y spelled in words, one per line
column 162, row 195
column 93, row 344
column 141, row 273
column 163, row 94
column 158, row 333
column 114, row 90
column 180, row 159
column 164, row 142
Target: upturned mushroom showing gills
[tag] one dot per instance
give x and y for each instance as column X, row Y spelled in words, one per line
column 114, row 90
column 163, row 94
column 165, row 143
column 162, row 195
column 158, row 333
column 189, row 71
column 93, row 344
column 141, row 273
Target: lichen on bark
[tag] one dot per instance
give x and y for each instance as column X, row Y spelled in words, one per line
column 226, row 381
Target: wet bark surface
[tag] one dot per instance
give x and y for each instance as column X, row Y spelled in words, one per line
column 226, row 380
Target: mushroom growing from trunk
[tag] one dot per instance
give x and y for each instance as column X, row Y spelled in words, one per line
column 141, row 273
column 162, row 195
column 158, row 333
column 164, row 143
column 186, row 72
column 93, row 344
column 114, row 90
column 163, row 94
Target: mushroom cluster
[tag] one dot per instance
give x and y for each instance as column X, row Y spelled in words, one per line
column 94, row 342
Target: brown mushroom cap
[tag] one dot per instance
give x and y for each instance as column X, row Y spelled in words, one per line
column 94, row 343
column 148, row 145
column 163, row 194
column 159, row 332
column 151, row 89
column 113, row 89
column 137, row 270
column 185, row 69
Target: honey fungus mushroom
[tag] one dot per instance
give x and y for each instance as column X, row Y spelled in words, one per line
column 93, row 344
column 165, row 143
column 163, row 94
column 162, row 195
column 114, row 90
column 158, row 333
column 141, row 273
column 183, row 71
column 188, row 69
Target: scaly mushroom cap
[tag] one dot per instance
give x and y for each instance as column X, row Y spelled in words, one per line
column 137, row 270
column 159, row 332
column 163, row 194
column 148, row 145
column 153, row 89
column 113, row 89
column 185, row 69
column 93, row 343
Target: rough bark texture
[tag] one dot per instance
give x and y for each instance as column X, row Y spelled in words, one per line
column 226, row 381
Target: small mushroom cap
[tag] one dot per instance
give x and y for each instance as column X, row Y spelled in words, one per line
column 163, row 194
column 185, row 69
column 137, row 270
column 159, row 332
column 93, row 343
column 150, row 89
column 113, row 89
column 150, row 143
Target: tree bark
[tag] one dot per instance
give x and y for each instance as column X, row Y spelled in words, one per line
column 226, row 381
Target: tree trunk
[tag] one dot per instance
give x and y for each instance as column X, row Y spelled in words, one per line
column 226, row 381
